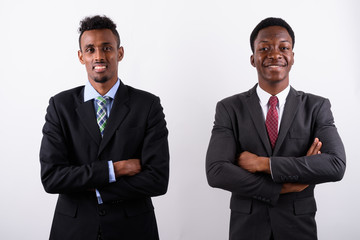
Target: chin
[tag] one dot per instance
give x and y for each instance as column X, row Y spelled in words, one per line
column 101, row 80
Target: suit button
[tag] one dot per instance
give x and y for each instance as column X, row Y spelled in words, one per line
column 102, row 212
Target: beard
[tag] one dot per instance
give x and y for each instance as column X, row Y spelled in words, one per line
column 101, row 80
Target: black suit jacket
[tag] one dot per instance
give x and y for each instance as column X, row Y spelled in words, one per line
column 257, row 208
column 74, row 158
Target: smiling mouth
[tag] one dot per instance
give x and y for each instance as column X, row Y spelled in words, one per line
column 275, row 65
column 100, row 68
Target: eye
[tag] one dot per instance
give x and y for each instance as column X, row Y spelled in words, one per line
column 89, row 50
column 263, row 49
column 284, row 48
column 107, row 48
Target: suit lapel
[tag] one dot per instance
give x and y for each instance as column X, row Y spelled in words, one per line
column 86, row 114
column 291, row 107
column 118, row 112
column 258, row 118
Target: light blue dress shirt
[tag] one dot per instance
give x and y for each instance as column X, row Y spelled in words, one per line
column 89, row 95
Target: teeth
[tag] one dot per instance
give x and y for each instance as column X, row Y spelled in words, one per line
column 100, row 67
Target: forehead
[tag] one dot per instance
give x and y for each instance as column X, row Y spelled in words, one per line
column 98, row 37
column 273, row 33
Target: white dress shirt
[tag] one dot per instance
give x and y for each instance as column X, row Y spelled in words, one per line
column 264, row 99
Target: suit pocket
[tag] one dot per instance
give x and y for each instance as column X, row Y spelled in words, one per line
column 138, row 207
column 241, row 205
column 305, row 206
column 66, row 206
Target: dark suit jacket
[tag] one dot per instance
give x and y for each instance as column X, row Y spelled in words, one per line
column 74, row 157
column 257, row 208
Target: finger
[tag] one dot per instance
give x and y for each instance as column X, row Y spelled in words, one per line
column 317, row 148
column 312, row 147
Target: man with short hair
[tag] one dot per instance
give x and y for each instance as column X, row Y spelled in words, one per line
column 104, row 148
column 271, row 145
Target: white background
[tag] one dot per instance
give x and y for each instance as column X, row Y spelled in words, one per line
column 191, row 53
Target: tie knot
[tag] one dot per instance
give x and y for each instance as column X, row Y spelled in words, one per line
column 102, row 100
column 273, row 101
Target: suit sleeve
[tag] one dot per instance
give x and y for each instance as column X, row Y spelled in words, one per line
column 59, row 174
column 154, row 176
column 325, row 167
column 221, row 170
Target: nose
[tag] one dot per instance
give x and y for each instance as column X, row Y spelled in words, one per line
column 274, row 53
column 99, row 55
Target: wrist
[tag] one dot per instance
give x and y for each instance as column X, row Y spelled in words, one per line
column 264, row 165
column 117, row 168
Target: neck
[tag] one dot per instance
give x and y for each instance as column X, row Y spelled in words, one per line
column 273, row 88
column 103, row 88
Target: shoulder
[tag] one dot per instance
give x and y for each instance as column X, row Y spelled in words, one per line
column 135, row 93
column 67, row 99
column 309, row 97
column 309, row 103
column 143, row 102
column 137, row 97
column 65, row 102
column 69, row 95
column 239, row 98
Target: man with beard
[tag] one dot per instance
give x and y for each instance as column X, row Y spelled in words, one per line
column 265, row 146
column 104, row 148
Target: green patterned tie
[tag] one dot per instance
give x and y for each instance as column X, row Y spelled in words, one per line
column 101, row 116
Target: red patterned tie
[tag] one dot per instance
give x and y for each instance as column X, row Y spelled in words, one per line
column 272, row 119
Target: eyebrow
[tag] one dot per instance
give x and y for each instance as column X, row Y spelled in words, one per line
column 265, row 41
column 92, row 45
column 89, row 45
column 106, row 43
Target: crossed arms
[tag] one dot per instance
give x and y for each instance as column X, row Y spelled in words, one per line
column 236, row 160
column 70, row 162
column 253, row 163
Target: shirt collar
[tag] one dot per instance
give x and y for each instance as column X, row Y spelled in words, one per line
column 90, row 92
column 264, row 96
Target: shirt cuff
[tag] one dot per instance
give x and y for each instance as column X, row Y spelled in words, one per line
column 112, row 177
column 98, row 197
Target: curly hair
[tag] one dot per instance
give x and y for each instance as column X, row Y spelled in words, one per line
column 98, row 22
column 268, row 22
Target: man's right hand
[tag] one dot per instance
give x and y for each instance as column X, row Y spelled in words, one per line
column 128, row 167
column 298, row 187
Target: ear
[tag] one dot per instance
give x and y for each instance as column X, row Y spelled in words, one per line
column 252, row 61
column 293, row 59
column 80, row 56
column 120, row 53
